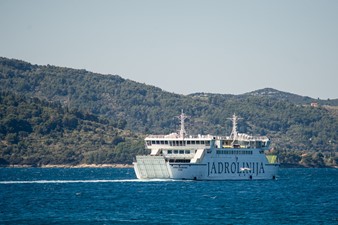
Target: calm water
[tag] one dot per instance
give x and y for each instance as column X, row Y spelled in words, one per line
column 114, row 196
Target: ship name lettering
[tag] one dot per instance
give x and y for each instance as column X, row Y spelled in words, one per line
column 220, row 167
column 235, row 167
column 226, row 165
column 213, row 169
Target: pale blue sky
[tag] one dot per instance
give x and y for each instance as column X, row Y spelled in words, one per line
column 183, row 46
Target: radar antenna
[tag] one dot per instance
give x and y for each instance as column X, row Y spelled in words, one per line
column 182, row 117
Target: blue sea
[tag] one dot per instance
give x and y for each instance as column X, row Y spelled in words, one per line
column 115, row 196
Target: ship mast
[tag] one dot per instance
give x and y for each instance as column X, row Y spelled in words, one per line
column 182, row 117
column 234, row 132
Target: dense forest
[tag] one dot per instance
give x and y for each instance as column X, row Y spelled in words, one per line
column 36, row 132
column 125, row 111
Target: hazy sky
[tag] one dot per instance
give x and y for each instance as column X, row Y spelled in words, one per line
column 183, row 46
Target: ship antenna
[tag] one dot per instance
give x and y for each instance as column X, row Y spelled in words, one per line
column 234, row 132
column 182, row 117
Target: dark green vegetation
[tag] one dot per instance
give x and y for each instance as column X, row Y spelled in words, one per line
column 36, row 132
column 85, row 117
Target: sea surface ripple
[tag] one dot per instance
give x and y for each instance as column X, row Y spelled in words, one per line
column 115, row 196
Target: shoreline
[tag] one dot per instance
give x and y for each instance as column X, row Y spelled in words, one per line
column 119, row 166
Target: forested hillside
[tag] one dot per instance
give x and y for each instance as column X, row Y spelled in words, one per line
column 296, row 99
column 36, row 132
column 300, row 133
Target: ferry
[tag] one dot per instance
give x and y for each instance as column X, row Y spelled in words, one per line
column 181, row 156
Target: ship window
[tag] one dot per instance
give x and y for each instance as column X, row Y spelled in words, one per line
column 207, row 143
column 197, row 142
column 175, row 151
column 188, row 142
column 258, row 144
column 202, row 142
column 153, row 142
column 148, row 143
column 162, row 142
column 192, row 142
column 187, row 151
column 181, row 151
column 157, row 142
column 166, row 142
column 170, row 151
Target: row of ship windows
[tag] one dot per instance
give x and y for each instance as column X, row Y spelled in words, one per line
column 178, row 143
column 178, row 151
column 234, row 152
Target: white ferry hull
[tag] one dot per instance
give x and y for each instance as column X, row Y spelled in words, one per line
column 215, row 170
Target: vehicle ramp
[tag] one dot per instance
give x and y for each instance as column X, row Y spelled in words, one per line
column 150, row 167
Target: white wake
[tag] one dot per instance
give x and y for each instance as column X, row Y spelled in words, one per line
column 80, row 181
